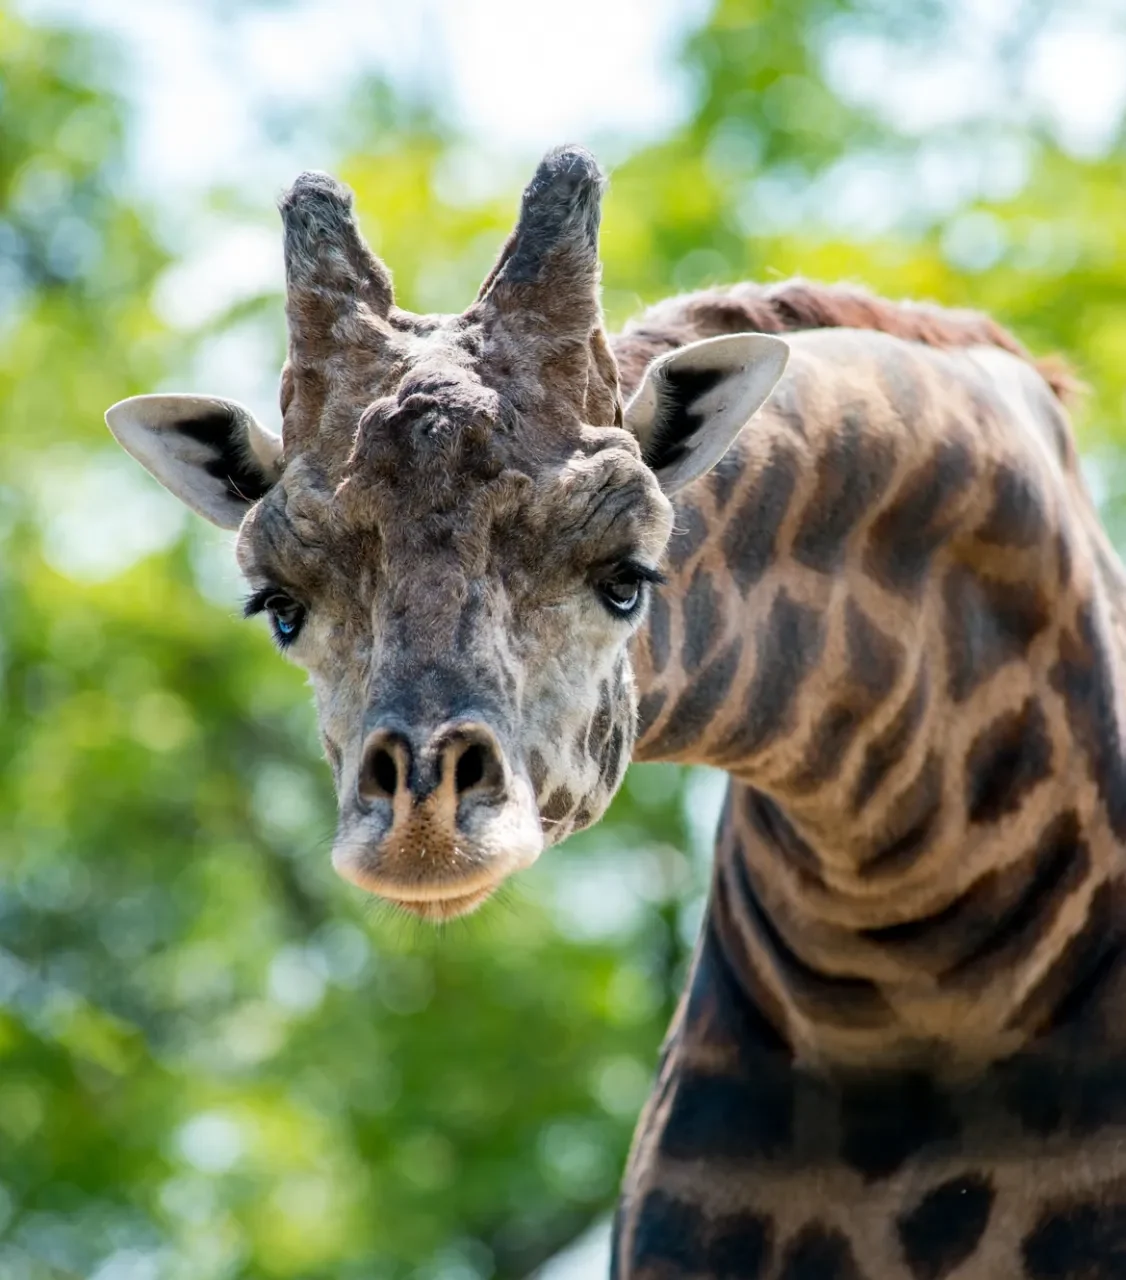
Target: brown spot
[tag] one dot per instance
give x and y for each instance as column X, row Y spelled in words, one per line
column 1083, row 678
column 1016, row 518
column 715, row 1116
column 874, row 663
column 558, row 806
column 946, row 1226
column 1053, row 871
column 1007, row 761
column 723, row 1009
column 920, row 518
column 852, row 473
column 702, row 619
column 913, row 816
column 987, row 624
column 583, row 817
column 887, row 1117
column 601, row 721
column 788, row 644
column 874, row 659
column 775, row 829
column 648, row 709
column 1077, row 1239
column 697, row 705
column 1083, row 970
column 612, row 758
column 740, row 1245
column 819, row 1252
column 832, row 736
column 888, row 748
column 752, row 531
column 657, row 631
column 672, row 1233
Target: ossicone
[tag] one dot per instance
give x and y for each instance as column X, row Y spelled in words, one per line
column 546, row 278
column 329, row 268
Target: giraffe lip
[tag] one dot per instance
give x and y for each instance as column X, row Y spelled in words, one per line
column 432, row 873
column 423, row 892
column 434, row 901
column 436, row 909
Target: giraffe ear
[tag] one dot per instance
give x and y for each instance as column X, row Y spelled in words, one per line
column 693, row 402
column 211, row 453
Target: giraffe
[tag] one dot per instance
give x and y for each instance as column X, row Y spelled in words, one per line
column 857, row 568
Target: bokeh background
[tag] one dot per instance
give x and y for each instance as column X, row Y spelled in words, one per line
column 217, row 1062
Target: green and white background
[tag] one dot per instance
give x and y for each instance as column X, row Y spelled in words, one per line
column 217, row 1062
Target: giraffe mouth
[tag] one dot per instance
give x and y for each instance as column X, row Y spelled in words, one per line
column 436, row 910
column 431, row 902
column 429, row 868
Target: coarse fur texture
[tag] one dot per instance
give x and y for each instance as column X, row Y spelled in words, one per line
column 889, row 613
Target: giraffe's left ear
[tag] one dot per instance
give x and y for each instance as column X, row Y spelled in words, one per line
column 693, row 402
column 212, row 454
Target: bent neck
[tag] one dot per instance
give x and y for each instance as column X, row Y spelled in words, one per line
column 923, row 852
column 1021, row 956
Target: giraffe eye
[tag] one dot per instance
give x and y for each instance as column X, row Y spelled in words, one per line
column 621, row 589
column 622, row 594
column 286, row 615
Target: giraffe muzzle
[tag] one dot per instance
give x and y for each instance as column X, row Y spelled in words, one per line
column 438, row 818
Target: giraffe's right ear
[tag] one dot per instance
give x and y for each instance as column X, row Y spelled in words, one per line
column 693, row 402
column 212, row 454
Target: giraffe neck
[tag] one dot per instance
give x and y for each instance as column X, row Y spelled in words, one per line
column 892, row 619
column 745, row 1163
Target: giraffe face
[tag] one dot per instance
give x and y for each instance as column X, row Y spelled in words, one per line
column 464, row 607
column 457, row 533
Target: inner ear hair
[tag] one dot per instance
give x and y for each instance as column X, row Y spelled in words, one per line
column 678, row 390
column 234, row 462
column 210, row 452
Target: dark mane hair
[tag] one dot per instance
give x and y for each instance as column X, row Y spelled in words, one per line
column 803, row 304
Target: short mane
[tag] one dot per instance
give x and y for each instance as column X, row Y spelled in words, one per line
column 803, row 304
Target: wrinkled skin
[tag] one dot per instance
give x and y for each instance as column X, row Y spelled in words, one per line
column 457, row 531
column 436, row 606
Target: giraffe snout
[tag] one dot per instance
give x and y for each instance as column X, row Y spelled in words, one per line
column 463, row 759
column 438, row 817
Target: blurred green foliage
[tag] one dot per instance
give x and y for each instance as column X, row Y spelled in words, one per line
column 217, row 1061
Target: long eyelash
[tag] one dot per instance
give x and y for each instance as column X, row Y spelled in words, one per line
column 645, row 572
column 256, row 603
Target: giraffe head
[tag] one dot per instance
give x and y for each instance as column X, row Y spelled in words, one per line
column 456, row 532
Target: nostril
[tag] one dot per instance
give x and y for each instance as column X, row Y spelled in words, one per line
column 383, row 772
column 385, row 766
column 470, row 769
column 477, row 762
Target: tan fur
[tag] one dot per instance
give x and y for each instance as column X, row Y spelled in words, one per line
column 891, row 616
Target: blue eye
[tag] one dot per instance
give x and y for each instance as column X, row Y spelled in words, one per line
column 622, row 585
column 286, row 615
